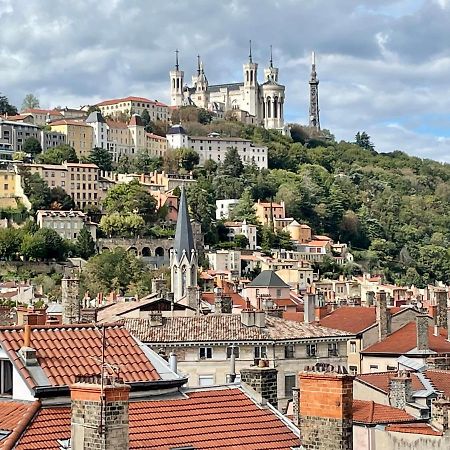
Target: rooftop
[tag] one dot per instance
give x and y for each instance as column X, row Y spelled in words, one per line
column 65, row 351
column 224, row 327
column 69, row 122
column 222, row 419
column 268, row 278
column 353, row 319
column 129, row 99
column 368, row 412
column 381, row 380
column 415, row 428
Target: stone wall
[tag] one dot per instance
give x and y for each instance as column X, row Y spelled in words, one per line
column 264, row 381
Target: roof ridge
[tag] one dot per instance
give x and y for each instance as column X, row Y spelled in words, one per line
column 63, row 326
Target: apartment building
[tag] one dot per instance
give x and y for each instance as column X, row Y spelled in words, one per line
column 134, row 105
column 43, row 116
column 14, row 134
column 67, row 224
column 79, row 135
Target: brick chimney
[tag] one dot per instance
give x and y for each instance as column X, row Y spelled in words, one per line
column 326, row 408
column 441, row 302
column 99, row 414
column 71, row 304
column 262, row 380
column 422, row 332
column 400, row 390
column 440, row 409
column 383, row 316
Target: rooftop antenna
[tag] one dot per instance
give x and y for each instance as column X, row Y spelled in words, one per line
column 176, row 60
column 250, row 54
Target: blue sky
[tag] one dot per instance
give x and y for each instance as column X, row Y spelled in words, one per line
column 383, row 65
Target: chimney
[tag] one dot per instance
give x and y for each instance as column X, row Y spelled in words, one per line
column 370, row 296
column 326, row 408
column 441, row 302
column 383, row 316
column 222, row 302
column 440, row 409
column 309, row 304
column 155, row 319
column 173, row 362
column 231, row 377
column 99, row 413
column 260, row 318
column 26, row 352
column 248, row 317
column 70, row 298
column 192, row 294
column 295, row 405
column 400, row 390
column 422, row 332
column 262, row 380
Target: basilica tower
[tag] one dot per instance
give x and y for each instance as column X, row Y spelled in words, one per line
column 250, row 97
column 176, row 84
column 183, row 256
column 201, row 88
column 314, row 121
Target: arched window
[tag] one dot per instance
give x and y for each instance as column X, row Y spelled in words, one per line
column 173, row 82
column 246, row 75
column 178, row 83
column 251, row 76
column 269, row 107
column 275, row 107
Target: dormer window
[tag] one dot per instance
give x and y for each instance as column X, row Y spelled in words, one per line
column 6, row 377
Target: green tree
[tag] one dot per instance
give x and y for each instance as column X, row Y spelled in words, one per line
column 33, row 247
column 145, row 116
column 102, row 158
column 92, row 108
column 363, row 140
column 188, row 158
column 10, row 242
column 241, row 241
column 32, row 146
column 131, row 198
column 202, row 205
column 57, row 155
column 204, row 116
column 60, row 199
column 54, row 245
column 122, row 224
column 37, row 191
column 6, row 107
column 232, row 164
column 245, row 209
column 85, row 245
column 30, row 102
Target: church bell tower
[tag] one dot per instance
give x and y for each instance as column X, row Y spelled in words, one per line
column 176, row 84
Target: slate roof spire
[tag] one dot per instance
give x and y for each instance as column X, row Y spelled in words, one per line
column 184, row 240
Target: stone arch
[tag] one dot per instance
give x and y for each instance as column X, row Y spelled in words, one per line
column 159, row 251
column 105, row 249
column 146, row 251
column 132, row 250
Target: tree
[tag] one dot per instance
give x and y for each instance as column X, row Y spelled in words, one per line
column 188, row 158
column 58, row 154
column 202, row 205
column 131, row 198
column 122, row 224
column 37, row 191
column 241, row 241
column 145, row 116
column 6, row 107
column 10, row 242
column 85, row 245
column 54, row 245
column 60, row 199
column 32, row 146
column 232, row 164
column 363, row 140
column 92, row 108
column 30, row 102
column 204, row 116
column 33, row 247
column 245, row 209
column 102, row 158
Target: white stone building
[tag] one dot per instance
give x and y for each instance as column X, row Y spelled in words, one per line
column 244, row 228
column 224, row 207
column 225, row 261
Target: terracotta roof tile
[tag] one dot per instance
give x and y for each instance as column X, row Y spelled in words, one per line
column 404, row 339
column 381, row 380
column 295, row 316
column 353, row 319
column 69, row 122
column 373, row 413
column 66, row 351
column 440, row 380
column 416, row 428
column 219, row 419
column 238, row 300
column 223, row 327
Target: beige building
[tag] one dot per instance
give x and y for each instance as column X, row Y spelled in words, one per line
column 67, row 224
column 78, row 135
column 156, row 145
column 268, row 211
column 134, row 105
column 42, row 117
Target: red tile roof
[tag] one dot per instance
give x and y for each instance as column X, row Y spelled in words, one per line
column 52, row 112
column 369, row 412
column 130, row 99
column 353, row 319
column 416, row 428
column 156, row 136
column 440, row 380
column 238, row 300
column 66, row 351
column 404, row 339
column 381, row 380
column 211, row 419
column 295, row 316
column 14, row 417
column 69, row 122
column 116, row 124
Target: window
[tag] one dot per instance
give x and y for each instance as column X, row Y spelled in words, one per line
column 6, row 377
column 391, row 368
column 289, row 384
column 205, row 352
column 352, row 347
column 278, row 293
column 311, row 350
column 353, row 370
column 231, row 350
column 5, row 187
column 289, row 351
column 333, row 349
column 373, row 368
column 206, row 380
column 260, row 352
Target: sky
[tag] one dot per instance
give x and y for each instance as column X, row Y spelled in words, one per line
column 383, row 65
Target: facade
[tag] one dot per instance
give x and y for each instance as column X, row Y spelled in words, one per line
column 79, row 135
column 225, row 261
column 8, row 181
column 224, row 207
column 213, row 147
column 53, row 139
column 268, row 212
column 134, row 105
column 67, row 224
column 42, row 117
column 263, row 102
column 14, row 134
column 242, row 228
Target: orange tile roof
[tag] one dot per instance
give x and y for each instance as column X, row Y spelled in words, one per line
column 381, row 380
column 353, row 319
column 211, row 419
column 237, row 300
column 14, row 417
column 404, row 339
column 416, row 428
column 440, row 380
column 64, row 351
column 52, row 112
column 116, row 124
column 295, row 316
column 369, row 412
column 69, row 122
column 317, row 243
column 130, row 99
column 156, row 136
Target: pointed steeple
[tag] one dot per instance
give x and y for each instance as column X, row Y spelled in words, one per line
column 250, row 53
column 271, row 59
column 198, row 65
column 184, row 240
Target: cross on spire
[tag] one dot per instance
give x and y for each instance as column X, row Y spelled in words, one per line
column 250, row 54
column 176, row 60
column 271, row 59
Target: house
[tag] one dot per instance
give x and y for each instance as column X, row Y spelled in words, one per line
column 224, row 261
column 245, row 229
column 224, row 207
column 67, row 224
column 268, row 212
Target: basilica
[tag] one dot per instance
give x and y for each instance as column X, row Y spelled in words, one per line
column 252, row 102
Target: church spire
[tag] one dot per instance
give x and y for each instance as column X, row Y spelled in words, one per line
column 250, row 53
column 198, row 65
column 177, row 66
column 271, row 59
column 314, row 121
column 184, row 240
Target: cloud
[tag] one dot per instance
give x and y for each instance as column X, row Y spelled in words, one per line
column 379, row 63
